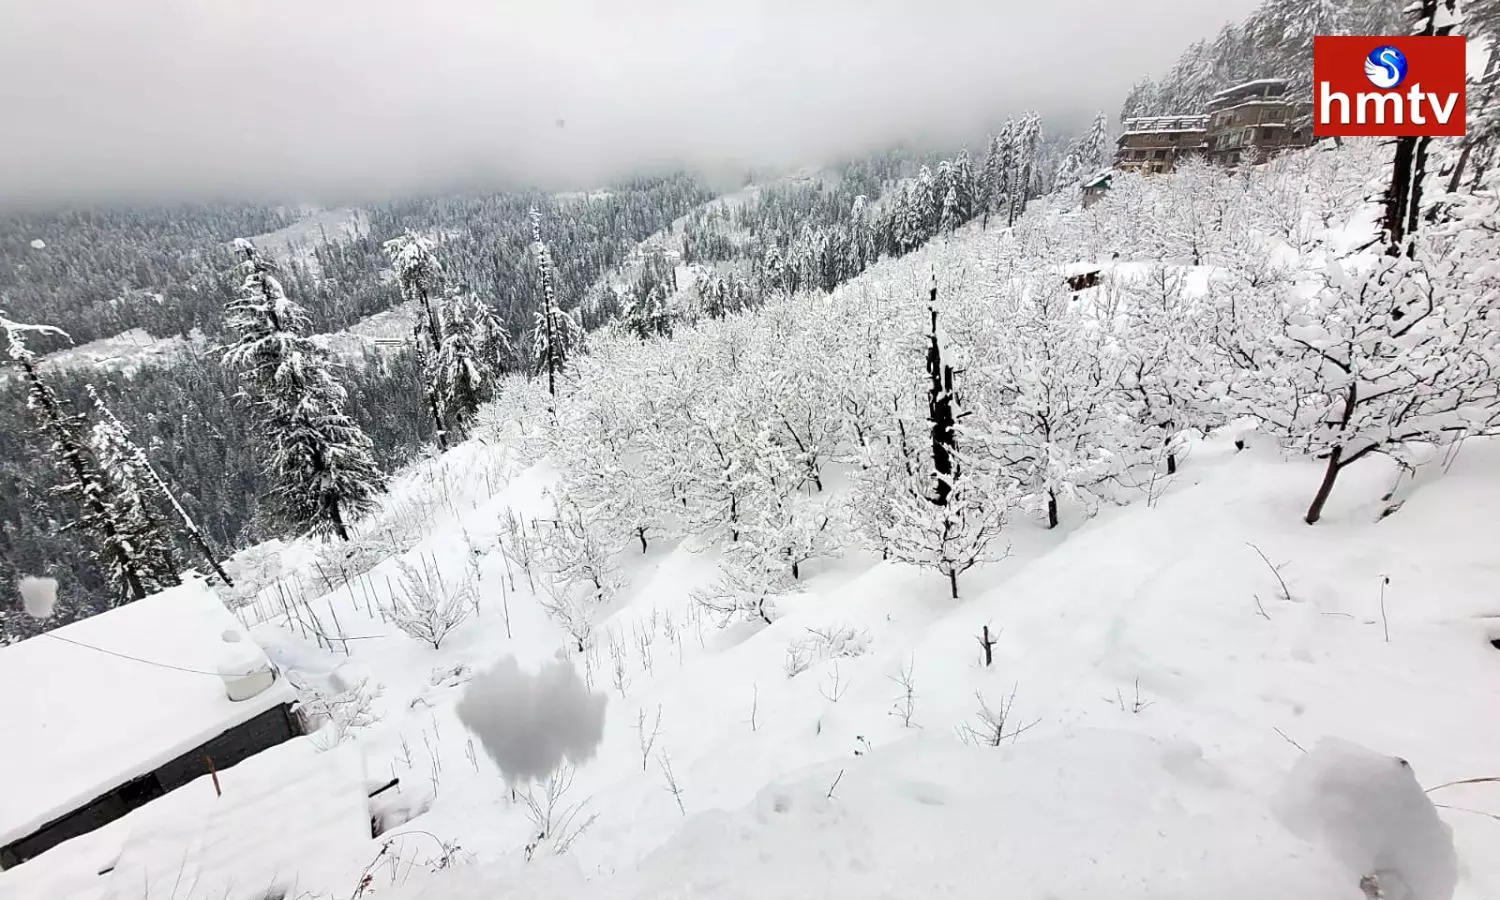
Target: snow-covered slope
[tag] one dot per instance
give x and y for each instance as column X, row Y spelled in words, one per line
column 1189, row 694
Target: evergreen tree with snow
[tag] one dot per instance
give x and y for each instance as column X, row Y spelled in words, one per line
column 1092, row 151
column 131, row 484
column 990, row 180
column 420, row 274
column 965, row 191
column 1023, row 163
column 127, row 548
column 556, row 334
column 469, row 357
column 112, row 439
column 950, row 219
column 321, row 462
column 1144, row 99
column 648, row 316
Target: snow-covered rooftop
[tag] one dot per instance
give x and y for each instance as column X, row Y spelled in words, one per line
column 1250, row 85
column 89, row 706
column 1164, row 124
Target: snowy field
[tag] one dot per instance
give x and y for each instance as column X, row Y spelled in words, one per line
column 1180, row 691
column 1169, row 686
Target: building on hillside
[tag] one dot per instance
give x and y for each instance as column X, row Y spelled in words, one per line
column 106, row 714
column 1254, row 121
column 1156, row 143
column 1096, row 187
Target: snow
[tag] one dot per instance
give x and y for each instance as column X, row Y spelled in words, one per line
column 287, row 818
column 1205, row 696
column 1250, row 85
column 299, row 241
column 38, row 244
column 126, row 352
column 1165, row 124
column 74, row 684
column 1374, row 818
column 38, row 596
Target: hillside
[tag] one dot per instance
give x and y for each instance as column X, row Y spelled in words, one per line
column 1180, row 690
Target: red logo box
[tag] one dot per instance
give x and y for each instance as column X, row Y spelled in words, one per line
column 1354, row 95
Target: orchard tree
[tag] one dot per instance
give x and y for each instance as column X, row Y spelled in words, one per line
column 1052, row 422
column 1394, row 360
column 939, row 516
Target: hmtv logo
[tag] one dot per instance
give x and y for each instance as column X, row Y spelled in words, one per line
column 1389, row 86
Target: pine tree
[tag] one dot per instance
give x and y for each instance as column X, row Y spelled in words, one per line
column 949, row 221
column 556, row 334
column 1143, row 100
column 111, row 431
column 120, row 463
column 965, row 190
column 1027, row 141
column 319, row 458
column 990, row 179
column 926, row 204
column 468, row 360
column 421, row 277
column 648, row 316
column 1093, row 150
column 126, row 548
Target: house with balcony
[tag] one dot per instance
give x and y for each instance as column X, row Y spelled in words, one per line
column 1152, row 144
column 1254, row 121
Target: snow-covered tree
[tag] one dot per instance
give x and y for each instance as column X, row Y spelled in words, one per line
column 120, row 461
column 113, row 433
column 1023, row 163
column 320, row 461
column 1144, row 99
column 949, row 220
column 556, row 334
column 420, row 275
column 580, row 572
column 991, row 187
column 940, row 516
column 1051, row 422
column 1395, row 359
column 126, row 547
column 648, row 316
column 469, row 357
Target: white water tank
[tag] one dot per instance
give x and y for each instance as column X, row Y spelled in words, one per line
column 245, row 669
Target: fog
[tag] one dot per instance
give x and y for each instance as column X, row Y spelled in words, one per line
column 303, row 99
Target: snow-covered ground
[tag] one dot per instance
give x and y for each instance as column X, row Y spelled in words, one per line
column 300, row 240
column 125, row 352
column 1168, row 684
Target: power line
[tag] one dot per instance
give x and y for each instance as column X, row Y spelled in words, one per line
column 147, row 662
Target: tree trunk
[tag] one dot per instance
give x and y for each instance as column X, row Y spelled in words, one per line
column 953, row 583
column 940, row 412
column 336, row 519
column 1051, row 509
column 1171, row 463
column 796, row 572
column 1330, row 475
column 640, row 534
column 1398, row 196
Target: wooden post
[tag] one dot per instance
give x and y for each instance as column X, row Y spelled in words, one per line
column 218, row 791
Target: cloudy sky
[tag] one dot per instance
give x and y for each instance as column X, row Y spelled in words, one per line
column 313, row 99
